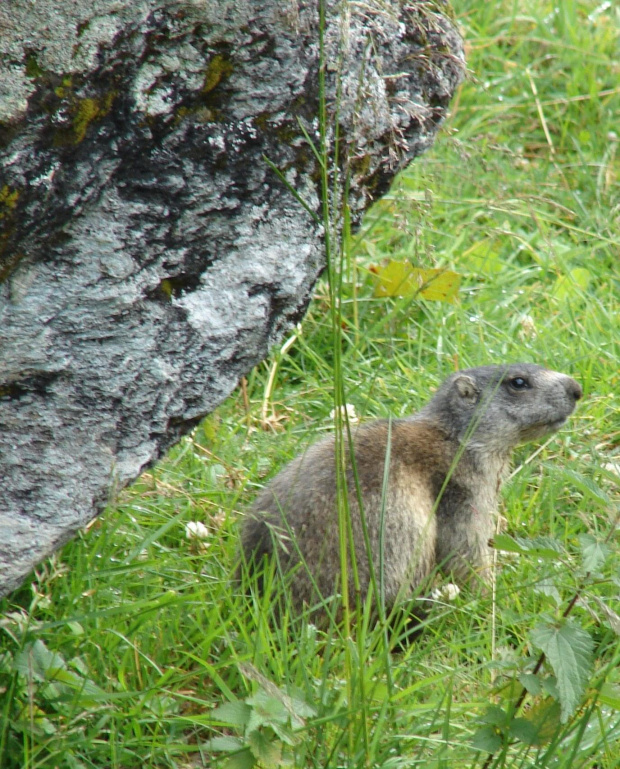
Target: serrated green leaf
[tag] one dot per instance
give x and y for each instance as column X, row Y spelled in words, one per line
column 588, row 487
column 161, row 705
column 507, row 543
column 378, row 691
column 612, row 618
column 77, row 690
column 550, row 687
column 233, row 713
column 488, row 738
column 531, row 683
column 36, row 723
column 593, row 552
column 269, row 703
column 267, row 751
column 545, row 719
column 243, row 760
column 544, row 547
column 546, row 587
column 524, row 731
column 269, row 692
column 284, row 733
column 61, row 676
column 303, row 710
column 494, row 715
column 37, row 661
column 224, row 744
column 568, row 648
column 266, row 711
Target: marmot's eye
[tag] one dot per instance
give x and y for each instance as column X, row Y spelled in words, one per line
column 519, row 383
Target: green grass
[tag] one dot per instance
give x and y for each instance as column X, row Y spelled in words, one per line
column 119, row 648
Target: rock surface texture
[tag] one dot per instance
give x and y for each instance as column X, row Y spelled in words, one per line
column 149, row 255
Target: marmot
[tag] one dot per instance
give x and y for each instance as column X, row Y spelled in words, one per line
column 439, row 503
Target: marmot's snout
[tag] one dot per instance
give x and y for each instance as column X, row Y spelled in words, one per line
column 568, row 400
column 553, row 399
column 573, row 389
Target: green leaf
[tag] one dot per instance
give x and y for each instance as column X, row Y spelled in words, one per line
column 303, row 710
column 224, row 744
column 546, row 587
column 483, row 257
column 37, row 661
column 612, row 618
column 550, row 687
column 268, row 693
column 507, row 543
column 544, row 547
column 524, row 730
column 488, row 738
column 531, row 683
column 243, row 760
column 593, row 552
column 494, row 715
column 568, row 647
column 588, row 487
column 610, row 695
column 545, row 719
column 403, row 279
column 266, row 710
column 573, row 285
column 284, row 733
column 209, row 427
column 35, row 724
column 233, row 713
column 83, row 691
column 267, row 751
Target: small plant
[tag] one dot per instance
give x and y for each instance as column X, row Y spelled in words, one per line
column 270, row 723
column 564, row 685
column 46, row 700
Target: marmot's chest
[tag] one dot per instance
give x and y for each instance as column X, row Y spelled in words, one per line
column 470, row 493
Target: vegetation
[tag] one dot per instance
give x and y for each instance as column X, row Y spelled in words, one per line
column 132, row 648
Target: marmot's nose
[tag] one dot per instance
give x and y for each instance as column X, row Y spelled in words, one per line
column 573, row 388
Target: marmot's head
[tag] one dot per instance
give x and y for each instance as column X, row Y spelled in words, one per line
column 494, row 408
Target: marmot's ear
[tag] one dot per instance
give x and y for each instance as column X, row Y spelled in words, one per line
column 466, row 388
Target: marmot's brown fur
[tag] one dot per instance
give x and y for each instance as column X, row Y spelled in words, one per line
column 440, row 502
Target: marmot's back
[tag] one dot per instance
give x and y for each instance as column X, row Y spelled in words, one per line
column 438, row 506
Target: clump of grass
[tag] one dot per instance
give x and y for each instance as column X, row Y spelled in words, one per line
column 121, row 648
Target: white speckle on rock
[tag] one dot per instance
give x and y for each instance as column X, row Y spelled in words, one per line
column 15, row 89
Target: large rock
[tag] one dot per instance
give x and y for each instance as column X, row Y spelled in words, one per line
column 149, row 255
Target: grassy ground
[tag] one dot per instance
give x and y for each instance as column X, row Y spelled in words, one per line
column 117, row 651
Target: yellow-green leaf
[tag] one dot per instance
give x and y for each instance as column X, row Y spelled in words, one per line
column 482, row 257
column 572, row 285
column 545, row 719
column 610, row 695
column 402, row 279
